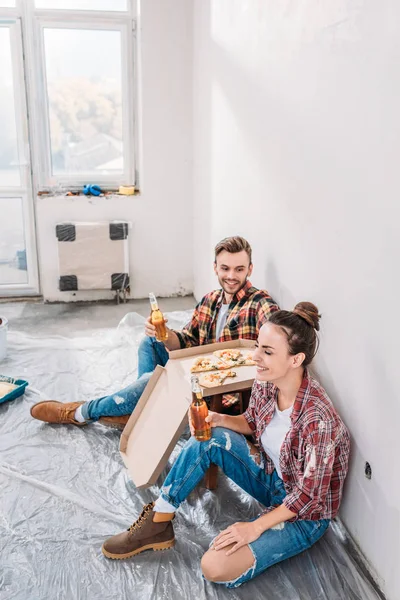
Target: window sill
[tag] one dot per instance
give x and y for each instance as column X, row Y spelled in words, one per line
column 80, row 194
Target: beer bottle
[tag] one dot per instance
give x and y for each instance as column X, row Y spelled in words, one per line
column 199, row 412
column 157, row 319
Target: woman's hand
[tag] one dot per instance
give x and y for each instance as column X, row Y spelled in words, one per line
column 239, row 534
column 213, row 418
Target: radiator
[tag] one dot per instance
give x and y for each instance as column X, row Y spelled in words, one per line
column 93, row 256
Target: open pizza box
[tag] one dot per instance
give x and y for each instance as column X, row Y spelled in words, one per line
column 160, row 416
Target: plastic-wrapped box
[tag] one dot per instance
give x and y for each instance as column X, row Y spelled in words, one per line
column 93, row 256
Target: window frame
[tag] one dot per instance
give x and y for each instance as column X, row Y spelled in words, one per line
column 23, row 191
column 35, row 21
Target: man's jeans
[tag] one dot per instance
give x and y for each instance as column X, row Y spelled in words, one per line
column 151, row 353
column 231, row 452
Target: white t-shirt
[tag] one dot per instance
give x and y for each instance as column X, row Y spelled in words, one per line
column 274, row 434
column 221, row 320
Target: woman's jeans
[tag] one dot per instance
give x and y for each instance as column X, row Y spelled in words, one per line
column 231, row 452
column 151, row 354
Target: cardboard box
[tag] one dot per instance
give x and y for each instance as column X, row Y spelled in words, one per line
column 160, row 416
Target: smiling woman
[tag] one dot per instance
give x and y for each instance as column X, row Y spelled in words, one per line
column 302, row 450
column 289, row 338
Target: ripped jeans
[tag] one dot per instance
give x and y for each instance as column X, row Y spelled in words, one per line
column 231, row 452
column 151, row 353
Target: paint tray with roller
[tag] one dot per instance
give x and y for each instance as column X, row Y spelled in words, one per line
column 11, row 388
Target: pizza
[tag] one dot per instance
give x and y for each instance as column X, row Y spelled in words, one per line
column 214, row 379
column 207, row 363
column 248, row 359
column 227, row 355
column 234, row 357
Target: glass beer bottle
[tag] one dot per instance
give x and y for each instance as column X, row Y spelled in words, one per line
column 199, row 412
column 157, row 319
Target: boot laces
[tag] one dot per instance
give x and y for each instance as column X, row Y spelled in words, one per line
column 142, row 518
column 65, row 414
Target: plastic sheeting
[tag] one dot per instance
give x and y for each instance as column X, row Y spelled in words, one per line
column 64, row 489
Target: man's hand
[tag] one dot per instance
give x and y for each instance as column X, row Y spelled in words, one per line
column 214, row 419
column 149, row 328
column 172, row 343
column 239, row 534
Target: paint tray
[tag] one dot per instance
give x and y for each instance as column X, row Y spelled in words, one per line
column 16, row 392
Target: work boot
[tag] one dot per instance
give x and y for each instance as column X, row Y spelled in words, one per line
column 52, row 411
column 145, row 534
column 118, row 422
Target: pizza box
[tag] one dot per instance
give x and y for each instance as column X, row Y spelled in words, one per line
column 160, row 416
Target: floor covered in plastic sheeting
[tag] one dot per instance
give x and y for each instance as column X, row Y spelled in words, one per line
column 64, row 489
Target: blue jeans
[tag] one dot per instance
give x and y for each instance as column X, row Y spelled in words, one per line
column 151, row 353
column 231, row 452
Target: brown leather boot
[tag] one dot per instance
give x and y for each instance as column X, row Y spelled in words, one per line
column 118, row 422
column 56, row 412
column 144, row 534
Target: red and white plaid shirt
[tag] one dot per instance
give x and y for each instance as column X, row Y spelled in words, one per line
column 250, row 308
column 315, row 452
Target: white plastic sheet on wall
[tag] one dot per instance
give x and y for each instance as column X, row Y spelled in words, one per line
column 63, row 490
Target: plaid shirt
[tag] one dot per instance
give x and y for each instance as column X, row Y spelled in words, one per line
column 249, row 309
column 315, row 452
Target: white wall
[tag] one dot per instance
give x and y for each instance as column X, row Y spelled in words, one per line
column 162, row 214
column 296, row 137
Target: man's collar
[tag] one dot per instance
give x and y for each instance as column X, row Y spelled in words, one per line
column 239, row 295
column 244, row 291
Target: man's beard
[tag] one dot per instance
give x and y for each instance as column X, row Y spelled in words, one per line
column 235, row 290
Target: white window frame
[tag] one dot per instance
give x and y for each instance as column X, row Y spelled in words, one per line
column 36, row 20
column 24, row 190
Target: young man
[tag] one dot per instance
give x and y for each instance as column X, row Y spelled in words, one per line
column 238, row 310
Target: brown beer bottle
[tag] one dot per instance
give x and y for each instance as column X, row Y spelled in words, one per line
column 157, row 319
column 199, row 412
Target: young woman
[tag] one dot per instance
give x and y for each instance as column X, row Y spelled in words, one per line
column 296, row 469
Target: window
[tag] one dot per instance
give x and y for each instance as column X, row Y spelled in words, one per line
column 9, row 154
column 13, row 263
column 18, row 269
column 84, row 92
column 111, row 5
column 80, row 56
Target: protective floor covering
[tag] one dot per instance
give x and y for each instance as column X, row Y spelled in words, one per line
column 63, row 490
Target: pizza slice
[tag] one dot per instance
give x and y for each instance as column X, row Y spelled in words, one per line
column 234, row 357
column 228, row 355
column 213, row 379
column 248, row 359
column 207, row 363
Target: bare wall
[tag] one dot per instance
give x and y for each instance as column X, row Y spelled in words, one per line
column 296, row 147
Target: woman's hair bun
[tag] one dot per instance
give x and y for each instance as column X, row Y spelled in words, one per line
column 309, row 312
